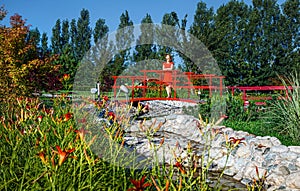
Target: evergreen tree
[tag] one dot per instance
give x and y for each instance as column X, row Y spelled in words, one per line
column 169, row 33
column 73, row 37
column 34, row 38
column 65, row 34
column 83, row 35
column 44, row 45
column 288, row 56
column 144, row 54
column 203, row 25
column 202, row 29
column 68, row 64
column 100, row 30
column 100, row 55
column 264, row 31
column 145, row 48
column 124, row 38
column 56, row 38
column 230, row 42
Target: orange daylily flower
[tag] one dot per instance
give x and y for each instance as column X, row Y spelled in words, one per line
column 63, row 154
column 236, row 141
column 42, row 157
column 139, row 185
column 180, row 167
column 68, row 116
column 66, row 77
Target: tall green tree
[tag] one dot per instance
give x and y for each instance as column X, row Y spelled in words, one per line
column 203, row 24
column 73, row 36
column 145, row 52
column 288, row 56
column 264, row 38
column 83, row 34
column 34, row 37
column 101, row 54
column 56, row 38
column 65, row 34
column 124, row 38
column 202, row 29
column 170, row 25
column 230, row 40
column 100, row 30
column 44, row 46
column 145, row 48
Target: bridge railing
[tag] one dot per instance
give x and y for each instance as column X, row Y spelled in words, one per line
column 259, row 99
column 180, row 81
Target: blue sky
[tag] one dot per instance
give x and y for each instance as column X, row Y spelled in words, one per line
column 44, row 13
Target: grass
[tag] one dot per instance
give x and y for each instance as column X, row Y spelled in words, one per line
column 261, row 128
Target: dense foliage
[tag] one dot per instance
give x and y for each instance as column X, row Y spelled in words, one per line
column 24, row 69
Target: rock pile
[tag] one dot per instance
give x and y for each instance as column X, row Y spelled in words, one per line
column 255, row 155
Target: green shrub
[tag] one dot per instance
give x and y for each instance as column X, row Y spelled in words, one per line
column 284, row 114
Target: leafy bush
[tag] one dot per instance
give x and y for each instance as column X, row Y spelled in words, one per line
column 237, row 111
column 23, row 71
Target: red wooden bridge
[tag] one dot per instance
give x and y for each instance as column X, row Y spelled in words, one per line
column 187, row 82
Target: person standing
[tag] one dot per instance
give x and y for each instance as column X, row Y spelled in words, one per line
column 168, row 67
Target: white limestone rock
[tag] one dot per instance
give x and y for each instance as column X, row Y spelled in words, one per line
column 290, row 156
column 274, row 179
column 243, row 151
column 295, row 149
column 279, row 149
column 297, row 162
column 293, row 180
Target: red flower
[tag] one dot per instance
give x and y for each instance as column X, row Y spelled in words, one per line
column 180, row 167
column 105, row 98
column 63, row 154
column 111, row 115
column 139, row 185
column 146, row 108
column 224, row 116
column 68, row 116
column 66, row 77
column 40, row 118
column 236, row 141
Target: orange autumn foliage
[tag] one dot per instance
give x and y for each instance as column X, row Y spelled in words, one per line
column 22, row 71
